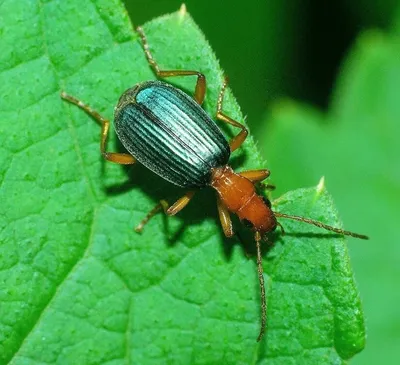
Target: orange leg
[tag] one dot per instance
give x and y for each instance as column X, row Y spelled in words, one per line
column 119, row 158
column 163, row 205
column 180, row 203
column 255, row 175
column 225, row 218
column 200, row 90
column 236, row 141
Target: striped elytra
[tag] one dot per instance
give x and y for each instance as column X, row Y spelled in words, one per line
column 170, row 134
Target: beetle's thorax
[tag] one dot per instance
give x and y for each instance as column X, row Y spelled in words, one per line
column 240, row 197
column 126, row 98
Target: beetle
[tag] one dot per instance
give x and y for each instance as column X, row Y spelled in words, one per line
column 167, row 131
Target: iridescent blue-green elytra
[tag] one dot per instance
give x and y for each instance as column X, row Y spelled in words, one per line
column 169, row 133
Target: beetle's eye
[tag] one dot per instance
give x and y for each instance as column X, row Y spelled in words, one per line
column 267, row 202
column 247, row 223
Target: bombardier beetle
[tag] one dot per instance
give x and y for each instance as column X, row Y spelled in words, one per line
column 167, row 131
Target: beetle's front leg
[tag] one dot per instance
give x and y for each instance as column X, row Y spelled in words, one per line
column 225, row 218
column 255, row 175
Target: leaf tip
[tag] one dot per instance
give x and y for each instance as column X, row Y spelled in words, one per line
column 321, row 185
column 182, row 10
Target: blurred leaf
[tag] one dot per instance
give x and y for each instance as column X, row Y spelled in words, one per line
column 77, row 285
column 264, row 41
column 355, row 146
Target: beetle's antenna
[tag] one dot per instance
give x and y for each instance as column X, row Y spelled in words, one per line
column 262, row 287
column 321, row 225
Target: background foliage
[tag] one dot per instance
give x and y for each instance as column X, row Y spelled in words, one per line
column 337, row 66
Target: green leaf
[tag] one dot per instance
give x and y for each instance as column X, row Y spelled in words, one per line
column 396, row 21
column 355, row 146
column 77, row 285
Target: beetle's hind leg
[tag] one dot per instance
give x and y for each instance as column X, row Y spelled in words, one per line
column 200, row 90
column 119, row 158
column 236, row 141
column 162, row 205
column 169, row 210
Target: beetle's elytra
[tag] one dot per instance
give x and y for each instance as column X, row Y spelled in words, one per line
column 168, row 131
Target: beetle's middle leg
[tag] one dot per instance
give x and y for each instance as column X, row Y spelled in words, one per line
column 200, row 90
column 236, row 141
column 169, row 210
column 119, row 158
